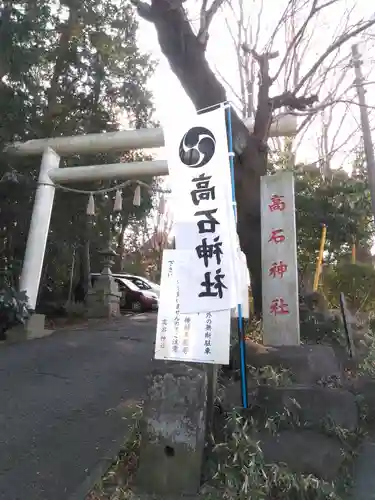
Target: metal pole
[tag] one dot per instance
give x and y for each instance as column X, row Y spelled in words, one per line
column 366, row 131
column 39, row 227
column 240, row 319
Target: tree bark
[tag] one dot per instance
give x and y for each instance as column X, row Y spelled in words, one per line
column 120, row 248
column 84, row 268
column 186, row 56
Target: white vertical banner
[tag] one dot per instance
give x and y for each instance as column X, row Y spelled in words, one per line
column 279, row 260
column 244, row 283
column 196, row 337
column 198, row 162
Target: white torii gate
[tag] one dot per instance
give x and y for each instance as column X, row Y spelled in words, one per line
column 52, row 149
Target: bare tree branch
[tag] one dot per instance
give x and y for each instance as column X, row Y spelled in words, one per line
column 297, row 37
column 259, row 17
column 229, row 86
column 143, row 9
column 283, row 19
column 338, row 128
column 263, row 116
column 245, row 63
column 315, row 9
column 338, row 148
column 206, row 17
column 289, row 100
column 336, row 45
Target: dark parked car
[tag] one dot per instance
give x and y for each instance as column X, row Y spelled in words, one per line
column 133, row 297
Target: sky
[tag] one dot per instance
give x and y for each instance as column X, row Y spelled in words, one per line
column 172, row 104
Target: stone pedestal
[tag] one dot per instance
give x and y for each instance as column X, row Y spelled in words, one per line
column 173, row 430
column 104, row 297
column 32, row 329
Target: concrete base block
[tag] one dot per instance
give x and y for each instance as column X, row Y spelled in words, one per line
column 307, row 363
column 32, row 329
column 311, row 404
column 173, row 430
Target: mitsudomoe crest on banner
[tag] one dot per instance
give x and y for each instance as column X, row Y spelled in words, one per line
column 197, row 147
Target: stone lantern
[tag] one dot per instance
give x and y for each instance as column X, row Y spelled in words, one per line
column 104, row 296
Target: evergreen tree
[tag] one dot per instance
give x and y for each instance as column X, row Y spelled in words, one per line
column 342, row 203
column 66, row 68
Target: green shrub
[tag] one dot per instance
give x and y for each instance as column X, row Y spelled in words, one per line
column 316, row 328
column 14, row 308
column 356, row 281
column 76, row 310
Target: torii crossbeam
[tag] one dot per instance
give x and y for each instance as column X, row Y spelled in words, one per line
column 52, row 149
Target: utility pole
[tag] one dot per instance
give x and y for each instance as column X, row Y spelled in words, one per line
column 365, row 124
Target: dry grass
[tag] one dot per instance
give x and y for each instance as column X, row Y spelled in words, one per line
column 115, row 483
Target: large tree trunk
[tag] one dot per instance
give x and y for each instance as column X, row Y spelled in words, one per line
column 84, row 268
column 62, row 52
column 120, row 249
column 186, row 56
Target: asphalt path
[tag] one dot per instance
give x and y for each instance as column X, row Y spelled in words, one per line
column 64, row 403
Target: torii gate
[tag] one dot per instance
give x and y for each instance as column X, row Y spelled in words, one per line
column 52, row 149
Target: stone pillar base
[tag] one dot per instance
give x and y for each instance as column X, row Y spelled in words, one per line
column 173, row 430
column 32, row 329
